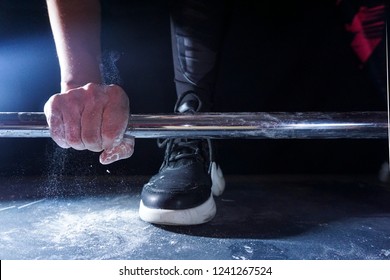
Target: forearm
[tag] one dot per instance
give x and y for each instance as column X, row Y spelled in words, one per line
column 76, row 30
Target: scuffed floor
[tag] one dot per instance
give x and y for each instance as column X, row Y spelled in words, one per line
column 259, row 217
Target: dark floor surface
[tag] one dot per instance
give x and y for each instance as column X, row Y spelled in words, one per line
column 259, row 217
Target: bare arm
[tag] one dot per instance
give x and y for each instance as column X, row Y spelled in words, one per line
column 86, row 114
column 76, row 30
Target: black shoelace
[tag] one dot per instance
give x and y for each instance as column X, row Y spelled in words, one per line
column 179, row 149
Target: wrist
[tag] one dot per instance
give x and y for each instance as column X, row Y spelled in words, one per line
column 65, row 86
column 68, row 84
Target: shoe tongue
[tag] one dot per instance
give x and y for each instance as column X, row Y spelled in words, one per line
column 183, row 155
column 190, row 103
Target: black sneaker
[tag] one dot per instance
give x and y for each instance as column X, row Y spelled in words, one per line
column 182, row 192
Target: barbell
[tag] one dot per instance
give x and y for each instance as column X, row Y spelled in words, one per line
column 260, row 125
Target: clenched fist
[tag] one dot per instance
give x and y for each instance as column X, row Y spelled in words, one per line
column 93, row 117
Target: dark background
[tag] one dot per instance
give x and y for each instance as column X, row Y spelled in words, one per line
column 277, row 56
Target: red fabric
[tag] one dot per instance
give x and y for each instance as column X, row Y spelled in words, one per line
column 368, row 26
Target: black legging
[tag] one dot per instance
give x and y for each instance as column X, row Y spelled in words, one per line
column 197, row 29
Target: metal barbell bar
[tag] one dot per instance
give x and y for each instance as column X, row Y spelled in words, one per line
column 277, row 125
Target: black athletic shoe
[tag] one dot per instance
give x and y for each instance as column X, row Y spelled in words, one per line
column 182, row 192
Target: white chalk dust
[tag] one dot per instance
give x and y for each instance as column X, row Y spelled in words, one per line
column 103, row 232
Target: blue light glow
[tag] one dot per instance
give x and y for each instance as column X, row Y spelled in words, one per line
column 27, row 73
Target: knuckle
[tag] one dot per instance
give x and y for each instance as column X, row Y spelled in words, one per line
column 94, row 95
column 51, row 103
column 73, row 137
column 90, row 86
column 64, row 101
column 110, row 134
column 116, row 92
column 61, row 142
column 92, row 140
column 92, row 89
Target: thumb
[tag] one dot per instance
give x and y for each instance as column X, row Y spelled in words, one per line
column 123, row 150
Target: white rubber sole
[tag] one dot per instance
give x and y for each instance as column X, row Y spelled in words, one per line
column 193, row 216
